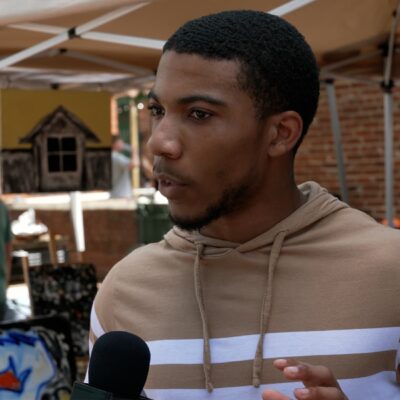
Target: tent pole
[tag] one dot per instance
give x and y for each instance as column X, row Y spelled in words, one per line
column 136, row 41
column 351, row 78
column 388, row 118
column 335, row 124
column 68, row 35
column 387, row 85
column 387, row 75
column 289, row 7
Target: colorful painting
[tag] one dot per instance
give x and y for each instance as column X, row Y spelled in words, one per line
column 36, row 360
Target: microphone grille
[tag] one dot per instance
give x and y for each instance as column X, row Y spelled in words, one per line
column 119, row 364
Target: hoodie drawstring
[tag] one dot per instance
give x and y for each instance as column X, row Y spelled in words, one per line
column 200, row 303
column 266, row 306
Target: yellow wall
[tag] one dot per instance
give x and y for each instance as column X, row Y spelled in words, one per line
column 21, row 110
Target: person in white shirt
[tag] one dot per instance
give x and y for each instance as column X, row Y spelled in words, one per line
column 121, row 170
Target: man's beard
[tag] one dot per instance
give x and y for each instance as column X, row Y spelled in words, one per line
column 231, row 200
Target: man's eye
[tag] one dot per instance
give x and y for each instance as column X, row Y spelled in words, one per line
column 155, row 111
column 199, row 114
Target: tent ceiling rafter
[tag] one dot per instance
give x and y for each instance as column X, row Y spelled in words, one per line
column 85, row 31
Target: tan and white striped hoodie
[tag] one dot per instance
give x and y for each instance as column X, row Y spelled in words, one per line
column 322, row 286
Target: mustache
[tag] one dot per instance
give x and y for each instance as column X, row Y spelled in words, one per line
column 159, row 168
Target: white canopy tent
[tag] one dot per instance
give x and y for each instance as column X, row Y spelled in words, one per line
column 92, row 44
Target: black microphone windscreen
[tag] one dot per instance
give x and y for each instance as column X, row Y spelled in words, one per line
column 119, row 363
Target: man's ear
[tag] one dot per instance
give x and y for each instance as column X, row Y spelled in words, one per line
column 284, row 131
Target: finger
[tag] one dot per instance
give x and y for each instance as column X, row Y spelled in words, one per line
column 317, row 393
column 281, row 363
column 273, row 395
column 310, row 375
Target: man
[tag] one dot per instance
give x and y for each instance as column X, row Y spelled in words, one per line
column 5, row 255
column 121, row 166
column 263, row 288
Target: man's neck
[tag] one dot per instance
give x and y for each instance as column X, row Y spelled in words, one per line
column 257, row 218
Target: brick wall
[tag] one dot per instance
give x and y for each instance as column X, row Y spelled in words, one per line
column 360, row 109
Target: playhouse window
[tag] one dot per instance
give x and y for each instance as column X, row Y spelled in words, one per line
column 62, row 154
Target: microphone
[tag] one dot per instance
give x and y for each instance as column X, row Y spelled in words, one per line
column 118, row 369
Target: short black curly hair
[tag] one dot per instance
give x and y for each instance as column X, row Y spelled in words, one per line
column 278, row 67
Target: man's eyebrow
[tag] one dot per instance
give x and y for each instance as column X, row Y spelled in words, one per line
column 192, row 99
column 201, row 97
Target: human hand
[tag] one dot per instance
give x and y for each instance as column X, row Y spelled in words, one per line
column 319, row 382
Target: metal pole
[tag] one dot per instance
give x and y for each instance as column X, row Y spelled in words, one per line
column 289, row 7
column 68, row 35
column 387, row 75
column 136, row 41
column 388, row 110
column 337, row 136
column 388, row 118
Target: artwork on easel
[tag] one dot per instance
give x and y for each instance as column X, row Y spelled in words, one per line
column 66, row 290
column 36, row 359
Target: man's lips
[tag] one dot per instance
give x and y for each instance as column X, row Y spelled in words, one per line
column 169, row 180
column 170, row 186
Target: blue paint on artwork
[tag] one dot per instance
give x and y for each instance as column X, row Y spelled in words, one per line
column 26, row 366
column 18, row 338
column 11, row 380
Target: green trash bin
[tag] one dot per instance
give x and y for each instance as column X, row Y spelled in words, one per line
column 153, row 222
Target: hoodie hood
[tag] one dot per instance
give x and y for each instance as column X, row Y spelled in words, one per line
column 319, row 204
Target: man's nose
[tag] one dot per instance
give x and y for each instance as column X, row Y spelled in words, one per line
column 165, row 140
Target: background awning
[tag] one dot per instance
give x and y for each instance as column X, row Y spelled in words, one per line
column 120, row 44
